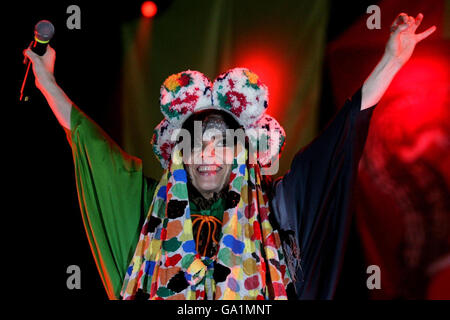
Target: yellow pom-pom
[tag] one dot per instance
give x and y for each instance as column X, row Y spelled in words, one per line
column 252, row 77
column 172, row 82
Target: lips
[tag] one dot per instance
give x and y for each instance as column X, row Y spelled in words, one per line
column 206, row 170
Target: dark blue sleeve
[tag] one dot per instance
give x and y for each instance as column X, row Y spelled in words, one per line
column 312, row 201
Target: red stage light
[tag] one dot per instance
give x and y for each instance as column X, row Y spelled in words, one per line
column 269, row 63
column 149, row 9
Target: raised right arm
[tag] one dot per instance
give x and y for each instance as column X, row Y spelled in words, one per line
column 114, row 195
column 43, row 67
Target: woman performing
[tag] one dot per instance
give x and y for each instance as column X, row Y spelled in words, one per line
column 216, row 226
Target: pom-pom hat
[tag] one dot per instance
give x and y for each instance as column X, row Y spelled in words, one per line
column 238, row 92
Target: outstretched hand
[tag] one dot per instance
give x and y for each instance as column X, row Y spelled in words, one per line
column 43, row 66
column 404, row 38
column 399, row 49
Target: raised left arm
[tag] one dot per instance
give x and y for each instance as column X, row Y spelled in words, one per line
column 399, row 49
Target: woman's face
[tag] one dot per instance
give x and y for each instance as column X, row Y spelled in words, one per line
column 209, row 168
column 213, row 172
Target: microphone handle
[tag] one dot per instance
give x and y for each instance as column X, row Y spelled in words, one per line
column 39, row 47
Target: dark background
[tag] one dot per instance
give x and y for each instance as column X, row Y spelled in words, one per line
column 44, row 242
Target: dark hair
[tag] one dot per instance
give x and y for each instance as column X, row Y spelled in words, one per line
column 205, row 114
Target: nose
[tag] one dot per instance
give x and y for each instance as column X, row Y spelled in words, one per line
column 208, row 150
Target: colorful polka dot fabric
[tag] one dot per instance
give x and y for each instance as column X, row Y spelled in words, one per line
column 249, row 264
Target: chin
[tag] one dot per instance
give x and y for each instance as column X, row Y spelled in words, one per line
column 207, row 186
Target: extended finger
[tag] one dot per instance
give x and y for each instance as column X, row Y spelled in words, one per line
column 411, row 21
column 425, row 34
column 409, row 24
column 417, row 21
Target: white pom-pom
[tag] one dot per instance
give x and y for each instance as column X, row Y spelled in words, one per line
column 241, row 92
column 183, row 93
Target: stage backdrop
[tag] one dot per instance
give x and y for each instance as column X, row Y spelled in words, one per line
column 283, row 43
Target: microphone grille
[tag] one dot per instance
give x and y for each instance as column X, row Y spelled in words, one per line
column 44, row 31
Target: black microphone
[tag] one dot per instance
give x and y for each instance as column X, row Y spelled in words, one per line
column 43, row 33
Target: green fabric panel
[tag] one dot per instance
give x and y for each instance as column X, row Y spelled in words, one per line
column 209, row 36
column 114, row 197
column 217, row 209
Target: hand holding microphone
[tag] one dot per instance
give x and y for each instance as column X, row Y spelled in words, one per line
column 41, row 55
column 43, row 66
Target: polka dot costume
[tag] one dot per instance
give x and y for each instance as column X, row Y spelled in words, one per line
column 249, row 264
